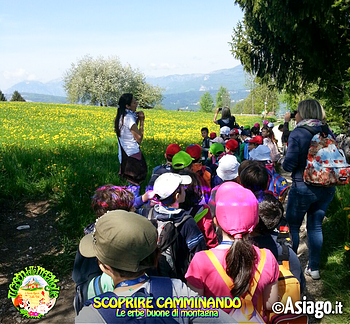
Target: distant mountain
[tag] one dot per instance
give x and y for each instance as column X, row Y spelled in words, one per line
column 184, row 91
column 180, row 91
column 53, row 88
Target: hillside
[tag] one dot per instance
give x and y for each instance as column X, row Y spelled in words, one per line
column 180, row 91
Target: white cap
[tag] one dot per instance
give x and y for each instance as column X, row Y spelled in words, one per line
column 228, row 167
column 218, row 140
column 166, row 184
column 261, row 153
column 225, row 130
column 271, row 125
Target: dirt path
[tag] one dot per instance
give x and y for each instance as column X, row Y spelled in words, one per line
column 21, row 248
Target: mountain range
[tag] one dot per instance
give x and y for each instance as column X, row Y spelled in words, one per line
column 180, row 91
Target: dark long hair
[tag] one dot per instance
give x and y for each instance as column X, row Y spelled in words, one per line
column 193, row 191
column 124, row 100
column 240, row 261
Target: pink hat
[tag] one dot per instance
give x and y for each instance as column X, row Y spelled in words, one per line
column 265, row 122
column 257, row 125
column 236, row 209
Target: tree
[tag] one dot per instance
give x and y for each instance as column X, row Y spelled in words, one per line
column 2, row 97
column 17, row 96
column 223, row 98
column 298, row 44
column 102, row 81
column 206, row 102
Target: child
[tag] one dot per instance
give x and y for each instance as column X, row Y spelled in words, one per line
column 205, row 143
column 253, row 175
column 227, row 170
column 267, row 235
column 237, row 215
column 225, row 133
column 231, row 148
column 216, row 149
column 170, row 151
column 170, row 193
column 255, row 142
column 85, row 270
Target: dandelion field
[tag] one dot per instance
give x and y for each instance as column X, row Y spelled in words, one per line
column 64, row 152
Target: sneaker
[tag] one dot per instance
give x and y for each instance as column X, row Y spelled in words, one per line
column 315, row 275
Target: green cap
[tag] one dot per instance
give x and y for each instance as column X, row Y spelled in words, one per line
column 247, row 127
column 122, row 240
column 181, row 160
column 216, row 149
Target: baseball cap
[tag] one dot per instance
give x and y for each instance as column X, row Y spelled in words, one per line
column 171, row 150
column 270, row 125
column 167, row 183
column 122, row 240
column 216, row 149
column 261, row 153
column 231, row 144
column 257, row 125
column 257, row 140
column 181, row 160
column 194, row 150
column 225, row 130
column 228, row 167
column 212, row 135
column 236, row 209
column 234, row 131
column 219, row 140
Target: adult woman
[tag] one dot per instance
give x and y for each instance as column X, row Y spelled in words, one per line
column 226, row 118
column 270, row 142
column 237, row 215
column 305, row 198
column 129, row 129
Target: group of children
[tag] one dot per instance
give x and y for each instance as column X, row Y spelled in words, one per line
column 206, row 220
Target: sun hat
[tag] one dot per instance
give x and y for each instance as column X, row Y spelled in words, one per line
column 219, row 140
column 216, row 149
column 228, row 167
column 271, row 125
column 195, row 151
column 212, row 135
column 236, row 209
column 261, row 153
column 166, row 184
column 256, row 139
column 225, row 130
column 231, row 144
column 181, row 160
column 121, row 240
column 171, row 150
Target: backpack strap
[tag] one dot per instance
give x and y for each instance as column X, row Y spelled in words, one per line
column 161, row 287
column 247, row 301
column 97, row 285
column 200, row 215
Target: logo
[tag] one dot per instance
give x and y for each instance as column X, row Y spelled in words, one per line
column 34, row 291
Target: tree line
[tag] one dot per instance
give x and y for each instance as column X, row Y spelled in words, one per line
column 16, row 96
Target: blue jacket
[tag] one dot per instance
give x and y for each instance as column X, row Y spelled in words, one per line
column 298, row 147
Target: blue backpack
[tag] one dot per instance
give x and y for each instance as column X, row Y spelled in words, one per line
column 160, row 287
column 278, row 185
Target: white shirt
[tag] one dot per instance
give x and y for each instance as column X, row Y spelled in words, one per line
column 126, row 139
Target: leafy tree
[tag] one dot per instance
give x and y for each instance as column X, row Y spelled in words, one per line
column 102, row 81
column 223, row 98
column 206, row 102
column 16, row 96
column 298, row 44
column 2, row 97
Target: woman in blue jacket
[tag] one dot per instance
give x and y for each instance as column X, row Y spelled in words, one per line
column 305, row 198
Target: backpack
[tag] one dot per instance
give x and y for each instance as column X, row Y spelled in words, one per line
column 247, row 313
column 326, row 163
column 160, row 287
column 84, row 270
column 175, row 257
column 278, row 185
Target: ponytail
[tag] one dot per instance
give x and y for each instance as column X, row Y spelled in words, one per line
column 240, row 261
column 124, row 100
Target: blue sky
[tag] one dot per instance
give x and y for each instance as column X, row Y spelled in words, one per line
column 39, row 40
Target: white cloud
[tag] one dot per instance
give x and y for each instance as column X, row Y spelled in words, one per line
column 18, row 74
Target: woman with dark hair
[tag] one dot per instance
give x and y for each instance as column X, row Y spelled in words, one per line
column 303, row 198
column 228, row 270
column 226, row 118
column 128, row 126
column 270, row 142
